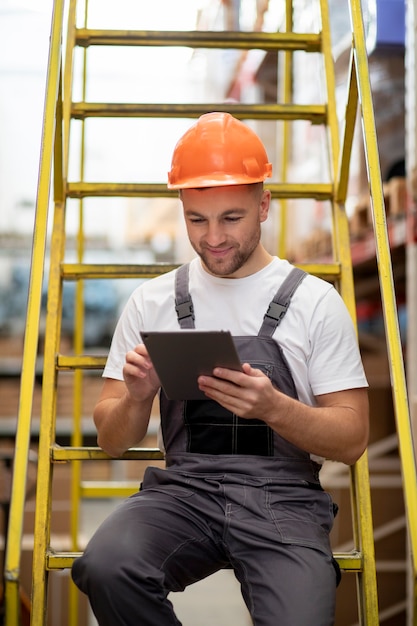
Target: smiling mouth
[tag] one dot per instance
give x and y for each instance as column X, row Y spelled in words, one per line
column 218, row 251
column 218, row 254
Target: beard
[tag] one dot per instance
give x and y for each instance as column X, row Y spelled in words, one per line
column 236, row 258
column 224, row 267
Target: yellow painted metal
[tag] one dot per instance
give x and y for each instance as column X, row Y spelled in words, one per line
column 285, row 137
column 83, row 362
column 60, row 454
column 77, row 435
column 332, row 120
column 319, row 191
column 107, row 489
column 79, row 318
column 360, row 487
column 316, row 114
column 364, row 540
column 403, row 420
column 329, row 271
column 72, row 271
column 60, row 560
column 349, row 128
column 67, row 79
column 200, row 39
column 348, row 561
column 52, row 336
column 359, row 473
column 13, row 552
column 48, row 415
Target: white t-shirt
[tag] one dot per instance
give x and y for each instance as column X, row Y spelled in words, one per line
column 317, row 334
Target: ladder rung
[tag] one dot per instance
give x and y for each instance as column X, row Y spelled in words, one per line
column 60, row 560
column 317, row 114
column 108, row 489
column 348, row 562
column 71, row 453
column 309, row 42
column 84, row 190
column 84, row 362
column 317, row 191
column 329, row 271
column 74, row 271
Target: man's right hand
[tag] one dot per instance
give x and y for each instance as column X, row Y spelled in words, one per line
column 139, row 374
column 122, row 412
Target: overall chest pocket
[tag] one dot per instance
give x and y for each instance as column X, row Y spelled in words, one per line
column 212, row 429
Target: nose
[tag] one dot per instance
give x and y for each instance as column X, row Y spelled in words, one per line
column 214, row 234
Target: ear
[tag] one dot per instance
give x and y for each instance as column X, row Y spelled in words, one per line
column 264, row 205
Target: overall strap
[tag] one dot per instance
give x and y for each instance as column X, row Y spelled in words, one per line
column 280, row 303
column 183, row 303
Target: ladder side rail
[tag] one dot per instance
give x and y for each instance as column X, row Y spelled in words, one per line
column 76, row 436
column 49, row 383
column 79, row 323
column 68, row 81
column 361, row 506
column 286, row 66
column 340, row 229
column 350, row 118
column 360, row 493
column 15, row 529
column 411, row 248
column 359, row 474
column 403, row 421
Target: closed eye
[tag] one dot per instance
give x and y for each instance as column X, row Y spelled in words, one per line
column 231, row 218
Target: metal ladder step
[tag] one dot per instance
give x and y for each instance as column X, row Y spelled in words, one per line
column 60, row 454
column 348, row 561
column 316, row 191
column 73, row 271
column 314, row 113
column 308, row 42
column 76, row 271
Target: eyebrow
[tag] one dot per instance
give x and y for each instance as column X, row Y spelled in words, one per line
column 235, row 211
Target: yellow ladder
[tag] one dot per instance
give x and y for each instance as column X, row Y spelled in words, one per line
column 60, row 110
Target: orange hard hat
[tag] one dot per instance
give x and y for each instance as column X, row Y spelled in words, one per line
column 218, row 150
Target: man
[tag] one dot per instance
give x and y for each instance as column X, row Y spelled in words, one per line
column 241, row 486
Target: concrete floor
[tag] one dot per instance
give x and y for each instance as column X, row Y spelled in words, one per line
column 216, row 600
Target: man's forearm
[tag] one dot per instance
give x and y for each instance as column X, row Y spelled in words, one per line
column 335, row 429
column 121, row 423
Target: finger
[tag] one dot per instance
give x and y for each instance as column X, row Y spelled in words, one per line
column 140, row 360
column 232, row 376
column 142, row 350
column 220, row 390
column 252, row 371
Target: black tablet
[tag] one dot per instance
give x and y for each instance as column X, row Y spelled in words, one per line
column 179, row 357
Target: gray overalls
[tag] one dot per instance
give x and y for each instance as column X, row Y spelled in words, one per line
column 234, row 494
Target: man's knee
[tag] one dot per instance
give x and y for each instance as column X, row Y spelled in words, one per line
column 101, row 564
